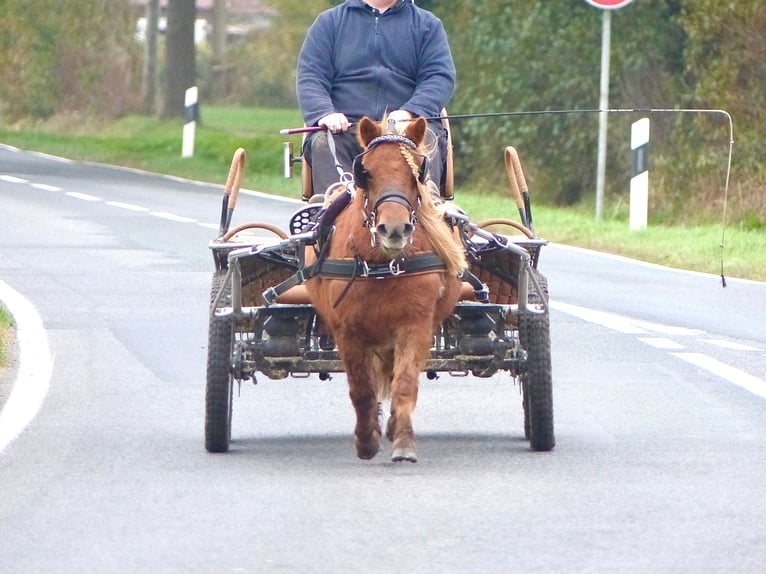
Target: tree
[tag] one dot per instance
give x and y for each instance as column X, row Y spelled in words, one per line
column 180, row 68
column 67, row 55
column 150, row 56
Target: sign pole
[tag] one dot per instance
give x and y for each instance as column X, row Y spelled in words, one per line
column 603, row 105
column 606, row 40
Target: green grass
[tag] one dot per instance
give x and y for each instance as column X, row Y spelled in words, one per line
column 6, row 336
column 155, row 145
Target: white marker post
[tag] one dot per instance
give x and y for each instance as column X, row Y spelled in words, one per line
column 191, row 115
column 639, row 182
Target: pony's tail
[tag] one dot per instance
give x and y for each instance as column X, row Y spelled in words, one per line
column 382, row 379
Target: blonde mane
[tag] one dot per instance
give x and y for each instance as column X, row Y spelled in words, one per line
column 443, row 238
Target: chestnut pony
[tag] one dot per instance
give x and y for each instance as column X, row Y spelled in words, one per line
column 383, row 318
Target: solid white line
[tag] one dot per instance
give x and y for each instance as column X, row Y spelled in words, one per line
column 172, row 217
column 214, row 226
column 44, row 187
column 83, row 196
column 729, row 345
column 732, row 374
column 35, row 367
column 128, row 206
column 661, row 343
column 13, row 179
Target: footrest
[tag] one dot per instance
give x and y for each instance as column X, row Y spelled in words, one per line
column 305, row 218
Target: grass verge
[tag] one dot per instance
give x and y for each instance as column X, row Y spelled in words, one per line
column 6, row 337
column 155, row 145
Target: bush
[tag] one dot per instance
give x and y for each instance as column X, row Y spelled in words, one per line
column 67, row 55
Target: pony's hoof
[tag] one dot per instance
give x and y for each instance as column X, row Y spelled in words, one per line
column 367, row 450
column 402, row 454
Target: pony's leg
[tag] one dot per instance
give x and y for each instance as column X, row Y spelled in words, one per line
column 362, row 390
column 410, row 360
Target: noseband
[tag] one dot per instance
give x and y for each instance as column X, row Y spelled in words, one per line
column 388, row 197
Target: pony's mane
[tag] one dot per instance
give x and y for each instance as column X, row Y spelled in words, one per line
column 431, row 216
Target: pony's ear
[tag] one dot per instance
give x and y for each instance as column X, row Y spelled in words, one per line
column 416, row 131
column 368, row 131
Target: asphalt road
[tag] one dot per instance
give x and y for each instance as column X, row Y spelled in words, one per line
column 659, row 390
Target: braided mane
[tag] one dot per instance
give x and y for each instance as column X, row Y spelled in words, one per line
column 431, row 216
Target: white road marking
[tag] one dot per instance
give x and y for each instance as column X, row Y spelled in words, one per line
column 626, row 325
column 622, row 324
column 729, row 345
column 13, row 179
column 172, row 217
column 83, row 196
column 45, row 187
column 128, row 206
column 732, row 374
column 214, row 226
column 661, row 343
column 609, row 320
column 35, row 367
column 667, row 329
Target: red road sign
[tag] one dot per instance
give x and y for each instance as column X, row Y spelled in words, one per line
column 609, row 4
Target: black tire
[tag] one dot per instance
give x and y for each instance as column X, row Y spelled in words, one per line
column 537, row 380
column 220, row 383
column 525, row 403
column 533, row 298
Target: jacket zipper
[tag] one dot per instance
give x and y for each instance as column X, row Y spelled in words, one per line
column 377, row 50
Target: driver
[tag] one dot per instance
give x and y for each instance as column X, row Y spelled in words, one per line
column 371, row 58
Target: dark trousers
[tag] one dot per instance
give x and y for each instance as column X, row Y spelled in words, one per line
column 324, row 173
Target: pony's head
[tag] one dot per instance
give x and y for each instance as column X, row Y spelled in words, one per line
column 390, row 172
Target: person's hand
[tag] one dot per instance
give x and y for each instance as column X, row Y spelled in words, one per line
column 335, row 122
column 401, row 119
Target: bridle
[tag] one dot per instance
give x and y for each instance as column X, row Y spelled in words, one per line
column 408, row 150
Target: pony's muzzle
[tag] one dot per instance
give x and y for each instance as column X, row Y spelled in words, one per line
column 394, row 237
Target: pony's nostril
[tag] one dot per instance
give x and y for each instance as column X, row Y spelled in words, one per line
column 382, row 230
column 408, row 229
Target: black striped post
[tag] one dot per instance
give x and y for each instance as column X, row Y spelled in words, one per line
column 191, row 115
column 639, row 182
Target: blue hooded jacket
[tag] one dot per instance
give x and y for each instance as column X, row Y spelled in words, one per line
column 360, row 62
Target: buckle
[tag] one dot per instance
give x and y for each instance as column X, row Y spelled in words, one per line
column 395, row 268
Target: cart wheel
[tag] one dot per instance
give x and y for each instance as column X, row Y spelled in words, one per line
column 525, row 403
column 220, row 383
column 537, row 381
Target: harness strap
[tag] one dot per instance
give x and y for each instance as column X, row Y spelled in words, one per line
column 480, row 290
column 359, row 269
column 331, row 146
column 352, row 269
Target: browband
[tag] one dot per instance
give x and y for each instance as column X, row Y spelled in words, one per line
column 396, row 138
